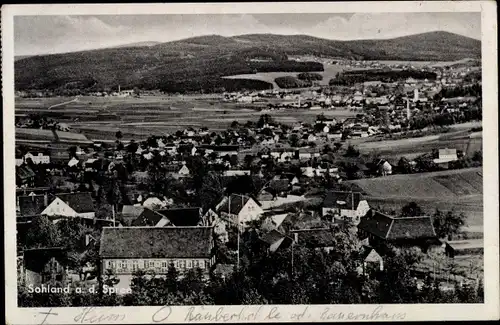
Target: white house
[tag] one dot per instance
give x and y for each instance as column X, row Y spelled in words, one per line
column 239, row 209
column 71, row 205
column 446, row 155
column 345, row 206
column 39, row 158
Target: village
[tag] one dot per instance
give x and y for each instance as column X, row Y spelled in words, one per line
column 184, row 199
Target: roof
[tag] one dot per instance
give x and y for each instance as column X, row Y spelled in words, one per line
column 182, row 216
column 24, row 172
column 368, row 254
column 321, row 237
column 81, row 202
column 395, row 228
column 272, row 236
column 151, row 242
column 342, row 200
column 31, row 205
column 233, row 204
column 147, row 217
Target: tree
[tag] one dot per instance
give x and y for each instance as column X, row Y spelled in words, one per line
column 411, row 209
column 211, row 190
column 118, row 135
column 351, row 152
column 448, row 224
column 42, row 233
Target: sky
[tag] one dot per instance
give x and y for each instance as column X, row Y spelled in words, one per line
column 59, row 34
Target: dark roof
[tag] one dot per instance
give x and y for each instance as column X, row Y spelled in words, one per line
column 81, row 202
column 342, row 200
column 233, row 204
column 272, row 236
column 181, row 217
column 150, row 242
column 220, row 148
column 31, row 205
column 321, row 237
column 395, row 228
column 24, row 172
column 148, row 218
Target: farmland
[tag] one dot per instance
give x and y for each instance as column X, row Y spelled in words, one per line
column 458, row 137
column 138, row 118
column 461, row 190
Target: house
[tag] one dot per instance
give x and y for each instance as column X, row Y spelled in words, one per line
column 239, row 208
column 384, row 167
column 446, row 155
column 231, row 173
column 276, row 240
column 464, row 247
column 154, row 203
column 182, row 217
column 71, row 205
column 37, row 158
column 73, row 162
column 345, row 206
column 25, row 176
column 317, row 238
column 183, row 171
column 399, row 231
column 32, row 205
column 41, row 265
column 128, row 249
column 370, row 261
column 139, row 216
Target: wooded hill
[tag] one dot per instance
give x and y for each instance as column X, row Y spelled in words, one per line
column 197, row 64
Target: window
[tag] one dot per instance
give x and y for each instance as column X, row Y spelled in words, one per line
column 164, row 264
column 176, row 264
column 135, row 265
column 195, row 263
column 151, row 264
column 123, row 264
column 202, row 264
column 182, row 264
column 189, row 264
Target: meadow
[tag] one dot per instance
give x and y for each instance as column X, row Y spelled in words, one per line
column 137, row 118
column 461, row 190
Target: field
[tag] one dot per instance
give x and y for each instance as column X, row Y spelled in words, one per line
column 461, row 190
column 329, row 73
column 138, row 118
column 458, row 138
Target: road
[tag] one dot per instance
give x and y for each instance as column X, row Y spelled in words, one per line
column 60, row 104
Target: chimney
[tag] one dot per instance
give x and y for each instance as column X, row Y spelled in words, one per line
column 296, row 237
column 45, row 199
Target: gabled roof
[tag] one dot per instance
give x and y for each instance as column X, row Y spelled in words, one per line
column 31, row 205
column 147, row 218
column 81, row 202
column 24, row 172
column 182, row 216
column 151, row 242
column 395, row 228
column 342, row 200
column 234, row 203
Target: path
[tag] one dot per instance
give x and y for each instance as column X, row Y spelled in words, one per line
column 60, row 104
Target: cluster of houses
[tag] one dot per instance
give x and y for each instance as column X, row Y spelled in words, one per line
column 150, row 235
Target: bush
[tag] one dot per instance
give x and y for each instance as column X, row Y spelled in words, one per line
column 292, row 82
column 309, row 76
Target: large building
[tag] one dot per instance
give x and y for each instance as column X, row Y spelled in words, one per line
column 345, row 206
column 128, row 249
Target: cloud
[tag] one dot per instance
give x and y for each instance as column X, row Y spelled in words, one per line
column 387, row 25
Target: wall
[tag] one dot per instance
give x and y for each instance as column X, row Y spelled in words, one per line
column 59, row 208
column 250, row 211
column 129, row 266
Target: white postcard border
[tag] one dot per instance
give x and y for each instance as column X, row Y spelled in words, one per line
column 488, row 310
